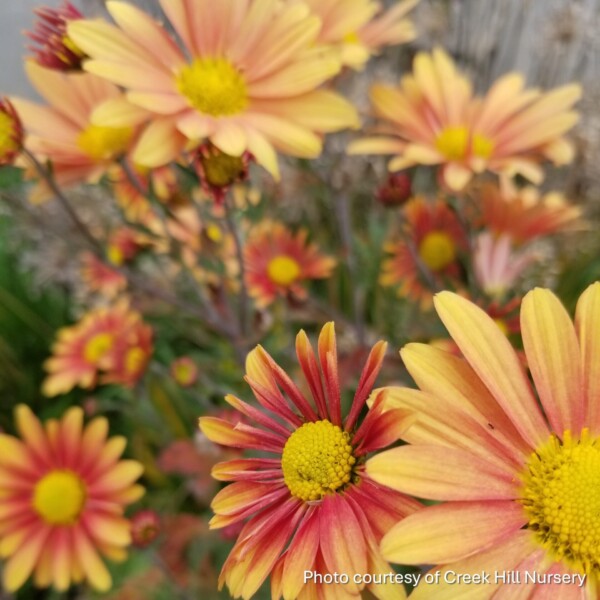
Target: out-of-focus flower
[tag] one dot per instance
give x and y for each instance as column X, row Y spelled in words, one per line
column 524, row 214
column 55, row 50
column 520, row 464
column 63, row 491
column 310, row 507
column 11, row 132
column 497, row 265
column 396, row 190
column 218, row 171
column 99, row 277
column 433, row 237
column 360, row 28
column 249, row 83
column 63, row 132
column 145, row 527
column 277, row 261
column 108, row 345
column 184, row 371
column 433, row 118
column 124, row 244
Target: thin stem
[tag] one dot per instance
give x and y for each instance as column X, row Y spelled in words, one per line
column 244, row 303
column 64, row 201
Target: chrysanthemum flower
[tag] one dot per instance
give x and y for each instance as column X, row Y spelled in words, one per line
column 55, row 50
column 432, row 235
column 524, row 214
column 63, row 132
column 63, row 491
column 311, row 507
column 433, row 118
column 184, row 371
column 517, row 469
column 109, row 345
column 360, row 28
column 249, row 84
column 99, row 277
column 278, row 261
column 11, row 132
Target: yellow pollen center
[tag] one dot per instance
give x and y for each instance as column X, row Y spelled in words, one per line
column 59, row 497
column 214, row 233
column 134, row 360
column 8, row 143
column 221, row 169
column 437, row 250
column 283, row 270
column 561, row 497
column 351, row 38
column 454, row 144
column 213, row 86
column 317, row 460
column 97, row 347
column 104, row 143
column 115, row 255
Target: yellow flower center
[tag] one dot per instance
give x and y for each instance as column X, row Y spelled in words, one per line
column 115, row 255
column 221, row 169
column 59, row 497
column 134, row 360
column 104, row 143
column 8, row 143
column 214, row 233
column 97, row 347
column 561, row 496
column 351, row 38
column 184, row 373
column 317, row 459
column 283, row 270
column 453, row 143
column 213, row 86
column 437, row 250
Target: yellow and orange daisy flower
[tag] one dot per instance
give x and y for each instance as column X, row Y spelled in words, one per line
column 311, row 508
column 11, row 132
column 63, row 133
column 516, row 467
column 277, row 261
column 433, row 237
column 99, row 277
column 108, row 345
column 360, row 28
column 63, row 491
column 184, row 371
column 524, row 214
column 433, row 118
column 249, row 82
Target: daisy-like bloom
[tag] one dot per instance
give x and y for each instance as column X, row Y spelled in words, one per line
column 108, row 345
column 433, row 118
column 11, row 132
column 249, row 84
column 63, row 491
column 277, row 261
column 145, row 528
column 497, row 264
column 515, row 466
column 432, row 241
column 80, row 152
column 54, row 49
column 311, row 507
column 524, row 214
column 184, row 371
column 99, row 277
column 360, row 28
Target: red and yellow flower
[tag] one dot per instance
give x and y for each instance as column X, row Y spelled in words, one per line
column 277, row 261
column 108, row 345
column 426, row 256
column 184, row 371
column 11, row 132
column 63, row 491
column 516, row 467
column 360, row 28
column 247, row 79
column 63, row 133
column 311, row 507
column 100, row 277
column 433, row 118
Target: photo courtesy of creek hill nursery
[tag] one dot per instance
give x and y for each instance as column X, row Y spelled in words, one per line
column 299, row 299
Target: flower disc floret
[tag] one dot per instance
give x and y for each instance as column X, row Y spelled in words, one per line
column 437, row 250
column 213, row 86
column 317, row 460
column 104, row 143
column 59, row 497
column 283, row 270
column 561, row 496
